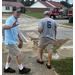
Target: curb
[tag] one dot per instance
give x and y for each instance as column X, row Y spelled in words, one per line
column 29, row 16
column 66, row 26
column 67, row 42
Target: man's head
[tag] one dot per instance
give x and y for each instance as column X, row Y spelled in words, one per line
column 16, row 11
column 46, row 14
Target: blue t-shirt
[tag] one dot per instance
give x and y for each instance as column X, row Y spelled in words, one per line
column 48, row 26
column 11, row 35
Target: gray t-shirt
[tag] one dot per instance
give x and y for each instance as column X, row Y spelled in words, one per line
column 48, row 26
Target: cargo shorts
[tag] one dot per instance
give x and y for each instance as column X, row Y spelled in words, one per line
column 13, row 50
column 46, row 43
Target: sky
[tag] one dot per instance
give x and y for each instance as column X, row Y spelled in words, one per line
column 70, row 1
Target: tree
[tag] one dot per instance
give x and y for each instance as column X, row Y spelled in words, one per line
column 24, row 2
column 43, row 0
column 67, row 1
column 10, row 0
column 66, row 4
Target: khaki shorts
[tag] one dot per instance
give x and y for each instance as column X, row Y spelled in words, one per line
column 13, row 50
column 43, row 43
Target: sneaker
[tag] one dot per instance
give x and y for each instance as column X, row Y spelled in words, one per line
column 48, row 66
column 9, row 70
column 24, row 70
column 41, row 62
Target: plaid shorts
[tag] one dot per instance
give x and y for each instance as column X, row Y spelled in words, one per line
column 43, row 43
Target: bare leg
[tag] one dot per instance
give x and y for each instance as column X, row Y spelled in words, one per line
column 19, row 59
column 49, row 57
column 8, row 58
column 8, row 62
column 41, row 52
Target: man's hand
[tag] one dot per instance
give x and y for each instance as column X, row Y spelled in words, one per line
column 20, row 38
column 55, row 39
column 14, row 24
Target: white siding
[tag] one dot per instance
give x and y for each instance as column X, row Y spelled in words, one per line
column 4, row 8
column 38, row 5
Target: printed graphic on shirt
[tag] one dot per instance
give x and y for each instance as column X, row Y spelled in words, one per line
column 48, row 24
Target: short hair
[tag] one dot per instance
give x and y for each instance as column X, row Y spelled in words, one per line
column 46, row 13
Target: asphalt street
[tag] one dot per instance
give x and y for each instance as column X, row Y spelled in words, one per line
column 28, row 24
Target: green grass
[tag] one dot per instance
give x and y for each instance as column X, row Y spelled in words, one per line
column 54, row 49
column 57, row 45
column 7, row 13
column 63, row 66
column 70, row 24
column 34, row 14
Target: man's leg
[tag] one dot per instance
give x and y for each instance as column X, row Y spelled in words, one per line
column 22, row 70
column 19, row 59
column 8, row 58
column 19, row 62
column 49, row 57
column 41, row 53
column 8, row 61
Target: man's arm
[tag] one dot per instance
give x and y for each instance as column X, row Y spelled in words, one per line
column 20, row 38
column 10, row 26
column 40, row 30
column 7, row 27
column 55, row 33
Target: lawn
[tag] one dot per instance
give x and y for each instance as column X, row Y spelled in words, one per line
column 34, row 14
column 3, row 48
column 7, row 13
column 57, row 45
column 70, row 24
column 63, row 66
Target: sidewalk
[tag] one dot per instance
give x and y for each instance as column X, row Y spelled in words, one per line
column 66, row 50
column 28, row 60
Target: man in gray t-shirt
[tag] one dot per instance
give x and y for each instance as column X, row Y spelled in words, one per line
column 47, row 29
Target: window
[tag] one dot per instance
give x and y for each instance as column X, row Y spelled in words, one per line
column 7, row 7
column 51, row 9
column 55, row 9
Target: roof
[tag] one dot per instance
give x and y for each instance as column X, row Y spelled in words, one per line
column 44, row 3
column 52, row 4
column 12, row 3
column 56, row 4
column 27, row 6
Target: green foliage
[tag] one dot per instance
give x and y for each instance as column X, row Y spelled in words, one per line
column 25, row 3
column 65, row 3
column 34, row 14
column 63, row 66
column 70, row 24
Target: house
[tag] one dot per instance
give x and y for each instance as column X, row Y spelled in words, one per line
column 27, row 8
column 41, row 6
column 7, row 6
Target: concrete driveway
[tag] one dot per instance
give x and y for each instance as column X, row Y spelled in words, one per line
column 29, row 24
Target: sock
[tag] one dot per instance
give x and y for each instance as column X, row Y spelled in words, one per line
column 7, row 65
column 20, row 67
